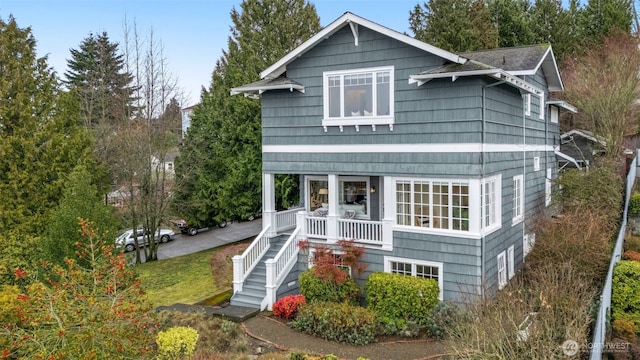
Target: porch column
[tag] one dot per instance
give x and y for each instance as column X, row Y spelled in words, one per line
column 332, row 217
column 269, row 204
column 388, row 213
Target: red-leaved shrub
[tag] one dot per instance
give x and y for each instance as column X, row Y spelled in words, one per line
column 287, row 306
column 631, row 255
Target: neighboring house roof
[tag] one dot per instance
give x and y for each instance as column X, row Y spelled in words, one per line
column 521, row 61
column 585, row 134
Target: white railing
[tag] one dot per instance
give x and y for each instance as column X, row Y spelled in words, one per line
column 360, row 230
column 286, row 219
column 315, row 227
column 278, row 268
column 243, row 264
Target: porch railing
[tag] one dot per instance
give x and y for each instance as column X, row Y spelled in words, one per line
column 286, row 219
column 315, row 227
column 278, row 268
column 243, row 264
column 360, row 230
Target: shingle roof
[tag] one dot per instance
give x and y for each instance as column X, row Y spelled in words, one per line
column 514, row 59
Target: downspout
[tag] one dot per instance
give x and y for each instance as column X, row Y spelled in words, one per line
column 482, row 174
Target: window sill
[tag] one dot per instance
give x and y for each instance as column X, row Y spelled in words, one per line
column 438, row 232
column 516, row 221
column 358, row 121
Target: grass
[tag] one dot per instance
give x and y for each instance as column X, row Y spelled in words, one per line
column 185, row 279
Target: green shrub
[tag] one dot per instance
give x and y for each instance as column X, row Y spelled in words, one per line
column 340, row 322
column 177, row 342
column 399, row 296
column 634, row 204
column 316, row 289
column 441, row 318
column 625, row 292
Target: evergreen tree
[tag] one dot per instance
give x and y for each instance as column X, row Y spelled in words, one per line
column 511, row 19
column 96, row 70
column 454, row 25
column 601, row 17
column 551, row 24
column 41, row 141
column 219, row 171
column 81, row 200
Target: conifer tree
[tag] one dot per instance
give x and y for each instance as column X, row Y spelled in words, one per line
column 41, row 141
column 454, row 25
column 219, row 170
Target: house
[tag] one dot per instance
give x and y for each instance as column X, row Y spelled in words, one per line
column 580, row 149
column 186, row 119
column 435, row 162
column 167, row 163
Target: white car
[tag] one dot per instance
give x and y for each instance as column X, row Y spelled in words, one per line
column 126, row 238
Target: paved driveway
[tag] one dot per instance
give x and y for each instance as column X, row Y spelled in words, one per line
column 208, row 238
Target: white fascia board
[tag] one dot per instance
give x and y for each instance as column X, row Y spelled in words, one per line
column 568, row 158
column 280, row 66
column 421, row 79
column 261, row 89
column 531, row 72
column 563, row 104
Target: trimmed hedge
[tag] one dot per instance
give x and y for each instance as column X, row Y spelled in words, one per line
column 399, row 296
column 625, row 293
column 316, row 290
column 337, row 322
column 634, row 204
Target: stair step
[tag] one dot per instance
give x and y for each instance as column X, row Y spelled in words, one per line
column 249, row 304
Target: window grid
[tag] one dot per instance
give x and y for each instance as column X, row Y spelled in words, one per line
column 517, row 198
column 356, row 94
column 437, row 205
column 428, row 272
column 489, row 203
column 502, row 270
column 401, row 268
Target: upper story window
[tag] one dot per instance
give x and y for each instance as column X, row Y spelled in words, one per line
column 358, row 97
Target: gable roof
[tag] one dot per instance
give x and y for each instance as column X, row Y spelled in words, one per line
column 522, row 60
column 352, row 20
column 585, row 134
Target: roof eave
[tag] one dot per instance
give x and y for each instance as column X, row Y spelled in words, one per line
column 495, row 73
column 280, row 66
column 563, row 104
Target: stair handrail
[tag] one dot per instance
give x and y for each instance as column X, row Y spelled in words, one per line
column 278, row 267
column 243, row 264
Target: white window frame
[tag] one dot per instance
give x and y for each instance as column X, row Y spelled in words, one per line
column 501, row 268
column 554, row 114
column 312, row 252
column 547, row 188
column 389, row 259
column 518, row 199
column 536, row 163
column 491, row 204
column 527, row 104
column 429, row 219
column 374, row 119
column 510, row 262
column 528, row 241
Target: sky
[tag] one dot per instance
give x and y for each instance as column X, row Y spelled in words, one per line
column 193, row 33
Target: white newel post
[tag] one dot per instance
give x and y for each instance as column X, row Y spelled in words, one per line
column 301, row 223
column 271, row 282
column 269, row 204
column 238, row 273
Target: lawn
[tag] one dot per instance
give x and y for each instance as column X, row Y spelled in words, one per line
column 188, row 279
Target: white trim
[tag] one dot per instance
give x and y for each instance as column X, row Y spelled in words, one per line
column 280, row 66
column 497, row 204
column 405, row 148
column 372, row 119
column 536, row 163
column 554, row 114
column 510, row 262
column 527, row 104
column 563, row 104
column 542, row 107
column 413, row 262
column 501, row 267
column 547, row 188
column 517, row 213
